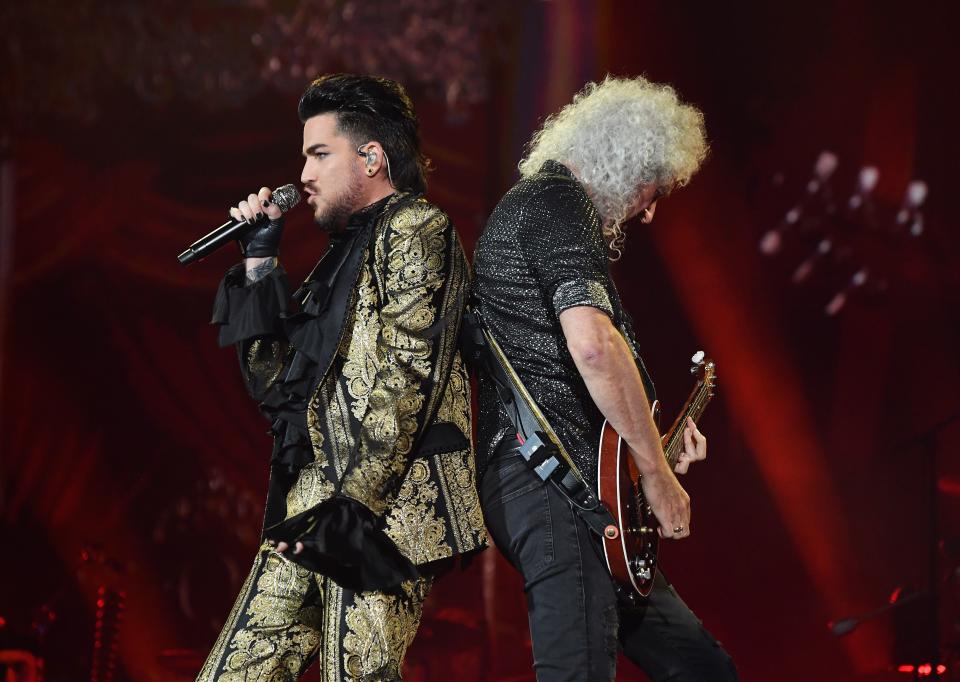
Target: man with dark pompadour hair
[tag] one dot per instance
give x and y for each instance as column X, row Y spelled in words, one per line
column 372, row 482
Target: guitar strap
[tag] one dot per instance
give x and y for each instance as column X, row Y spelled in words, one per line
column 539, row 445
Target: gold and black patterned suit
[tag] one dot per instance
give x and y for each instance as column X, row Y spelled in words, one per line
column 372, row 467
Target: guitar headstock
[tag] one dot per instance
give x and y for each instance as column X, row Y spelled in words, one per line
column 705, row 371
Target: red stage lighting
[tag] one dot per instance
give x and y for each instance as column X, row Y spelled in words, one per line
column 922, row 670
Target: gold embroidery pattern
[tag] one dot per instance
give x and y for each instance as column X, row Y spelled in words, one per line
column 380, row 628
column 311, row 488
column 333, row 614
column 361, row 364
column 285, row 615
column 412, row 523
column 265, row 360
column 338, row 424
column 455, row 407
column 415, row 272
column 318, row 406
column 453, row 301
column 458, row 483
column 279, row 635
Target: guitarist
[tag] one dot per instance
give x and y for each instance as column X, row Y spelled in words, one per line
column 543, row 288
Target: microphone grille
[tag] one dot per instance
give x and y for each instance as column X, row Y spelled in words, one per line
column 285, row 197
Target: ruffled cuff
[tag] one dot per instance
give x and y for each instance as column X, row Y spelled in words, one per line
column 246, row 312
column 578, row 292
column 340, row 540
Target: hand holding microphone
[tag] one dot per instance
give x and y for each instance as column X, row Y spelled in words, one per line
column 266, row 221
column 255, row 224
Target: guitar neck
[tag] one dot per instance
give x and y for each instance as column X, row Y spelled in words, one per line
column 694, row 407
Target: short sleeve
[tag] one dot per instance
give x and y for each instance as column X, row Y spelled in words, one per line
column 561, row 240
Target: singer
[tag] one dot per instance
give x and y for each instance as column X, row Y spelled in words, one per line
column 372, row 487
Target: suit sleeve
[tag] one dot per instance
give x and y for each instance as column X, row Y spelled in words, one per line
column 423, row 281
column 250, row 319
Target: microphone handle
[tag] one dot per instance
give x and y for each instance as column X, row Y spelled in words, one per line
column 231, row 230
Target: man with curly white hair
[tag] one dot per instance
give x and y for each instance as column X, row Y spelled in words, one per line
column 544, row 291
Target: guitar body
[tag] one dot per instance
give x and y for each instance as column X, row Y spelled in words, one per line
column 631, row 546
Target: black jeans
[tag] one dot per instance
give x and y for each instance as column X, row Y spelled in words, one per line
column 576, row 622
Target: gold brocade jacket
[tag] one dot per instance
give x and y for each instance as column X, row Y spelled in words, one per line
column 367, row 392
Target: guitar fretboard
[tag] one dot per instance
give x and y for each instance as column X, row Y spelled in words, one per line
column 694, row 407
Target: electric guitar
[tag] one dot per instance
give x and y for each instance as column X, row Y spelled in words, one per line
column 631, row 545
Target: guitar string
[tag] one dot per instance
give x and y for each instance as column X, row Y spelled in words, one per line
column 696, row 406
column 677, row 435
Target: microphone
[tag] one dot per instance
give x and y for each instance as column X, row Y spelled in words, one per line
column 845, row 626
column 285, row 198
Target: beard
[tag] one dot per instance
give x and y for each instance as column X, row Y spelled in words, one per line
column 334, row 216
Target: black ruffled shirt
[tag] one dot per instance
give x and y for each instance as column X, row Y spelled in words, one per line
column 341, row 537
column 542, row 252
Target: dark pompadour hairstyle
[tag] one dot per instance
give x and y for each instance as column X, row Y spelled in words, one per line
column 370, row 108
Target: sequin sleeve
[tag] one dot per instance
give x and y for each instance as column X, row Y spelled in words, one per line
column 561, row 240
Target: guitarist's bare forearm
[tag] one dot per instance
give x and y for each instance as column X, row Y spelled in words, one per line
column 610, row 373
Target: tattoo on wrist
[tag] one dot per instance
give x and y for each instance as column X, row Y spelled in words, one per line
column 258, row 272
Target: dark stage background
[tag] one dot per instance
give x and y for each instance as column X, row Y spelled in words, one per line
column 133, row 460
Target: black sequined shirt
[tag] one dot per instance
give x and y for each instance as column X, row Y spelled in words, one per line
column 543, row 251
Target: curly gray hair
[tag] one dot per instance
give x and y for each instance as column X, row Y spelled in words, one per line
column 617, row 136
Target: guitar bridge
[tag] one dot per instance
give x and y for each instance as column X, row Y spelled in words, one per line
column 641, row 568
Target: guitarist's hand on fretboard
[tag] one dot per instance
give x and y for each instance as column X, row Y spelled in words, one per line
column 655, row 499
column 694, row 447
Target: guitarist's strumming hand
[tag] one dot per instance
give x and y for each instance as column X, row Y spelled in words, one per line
column 668, row 500
column 694, row 447
column 610, row 373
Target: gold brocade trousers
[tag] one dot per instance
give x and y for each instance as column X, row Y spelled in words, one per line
column 287, row 617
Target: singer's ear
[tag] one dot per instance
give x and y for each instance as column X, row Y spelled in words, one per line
column 372, row 153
